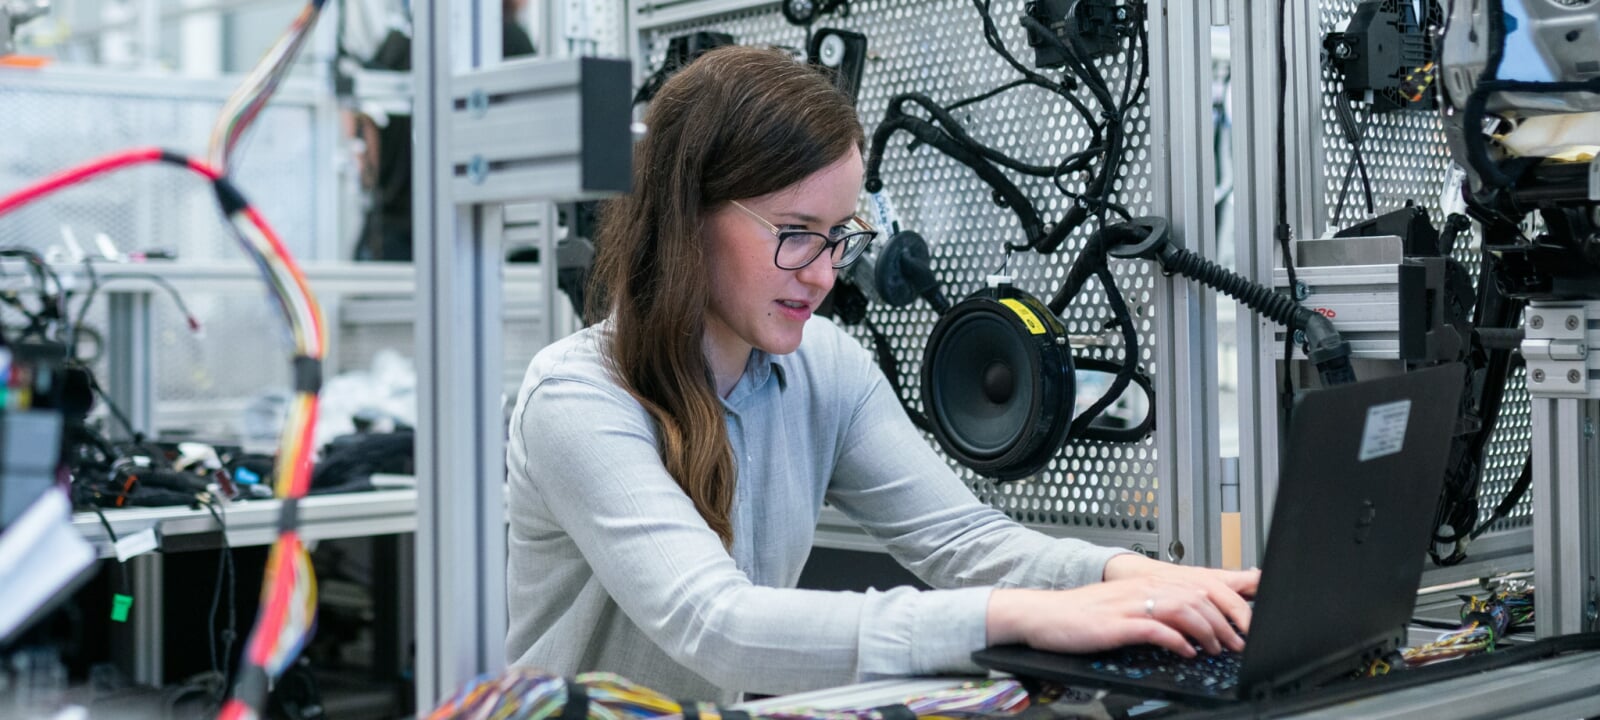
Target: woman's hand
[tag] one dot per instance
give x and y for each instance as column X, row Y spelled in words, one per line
column 1142, row 601
column 1227, row 589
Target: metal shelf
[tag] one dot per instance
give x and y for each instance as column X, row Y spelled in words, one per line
column 255, row 522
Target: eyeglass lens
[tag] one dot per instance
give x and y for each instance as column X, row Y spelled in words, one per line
column 798, row 249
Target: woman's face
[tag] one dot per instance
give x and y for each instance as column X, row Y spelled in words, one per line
column 754, row 303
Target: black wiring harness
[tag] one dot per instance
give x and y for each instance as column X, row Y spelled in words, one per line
column 1101, row 160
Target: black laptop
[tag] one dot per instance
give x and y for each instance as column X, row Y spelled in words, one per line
column 1363, row 473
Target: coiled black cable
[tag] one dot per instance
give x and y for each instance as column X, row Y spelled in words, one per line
column 1279, row 307
column 1323, row 345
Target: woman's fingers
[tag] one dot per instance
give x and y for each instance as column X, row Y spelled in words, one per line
column 1245, row 582
column 1221, row 629
column 1235, row 608
column 1155, row 632
column 1194, row 618
column 1194, row 611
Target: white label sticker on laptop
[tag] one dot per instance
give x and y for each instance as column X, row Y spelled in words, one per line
column 1385, row 432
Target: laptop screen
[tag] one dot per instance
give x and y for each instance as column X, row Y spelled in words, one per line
column 1348, row 539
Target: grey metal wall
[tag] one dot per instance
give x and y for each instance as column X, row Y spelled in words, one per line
column 1114, row 493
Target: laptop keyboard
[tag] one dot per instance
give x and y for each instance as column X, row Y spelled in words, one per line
column 1204, row 673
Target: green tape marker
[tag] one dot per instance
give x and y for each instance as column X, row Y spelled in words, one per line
column 119, row 607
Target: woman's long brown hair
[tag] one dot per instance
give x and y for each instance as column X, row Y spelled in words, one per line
column 737, row 123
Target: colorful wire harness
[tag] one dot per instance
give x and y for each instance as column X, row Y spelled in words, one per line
column 246, row 102
column 288, row 591
column 523, row 694
column 1483, row 622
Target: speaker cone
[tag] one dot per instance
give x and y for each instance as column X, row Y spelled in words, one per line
column 997, row 379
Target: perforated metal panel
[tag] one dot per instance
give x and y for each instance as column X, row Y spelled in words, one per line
column 49, row 129
column 1407, row 160
column 937, row 48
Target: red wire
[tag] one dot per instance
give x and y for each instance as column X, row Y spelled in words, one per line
column 73, row 176
column 234, row 709
column 140, row 156
column 93, row 168
column 274, row 615
column 199, row 166
column 302, row 470
column 270, row 624
column 288, row 262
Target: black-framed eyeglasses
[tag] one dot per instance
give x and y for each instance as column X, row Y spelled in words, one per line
column 799, row 248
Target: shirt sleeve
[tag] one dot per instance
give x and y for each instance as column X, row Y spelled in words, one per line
column 890, row 481
column 604, row 482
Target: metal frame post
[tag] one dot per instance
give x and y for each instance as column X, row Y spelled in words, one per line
column 130, row 370
column 1254, row 41
column 130, row 353
column 460, row 566
column 1564, row 382
column 1186, row 320
column 486, row 136
column 1564, row 515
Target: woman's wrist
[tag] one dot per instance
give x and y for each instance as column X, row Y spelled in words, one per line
column 1006, row 615
column 1128, row 565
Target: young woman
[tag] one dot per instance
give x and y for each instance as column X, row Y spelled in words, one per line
column 668, row 463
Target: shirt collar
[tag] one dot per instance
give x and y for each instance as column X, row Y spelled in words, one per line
column 758, row 370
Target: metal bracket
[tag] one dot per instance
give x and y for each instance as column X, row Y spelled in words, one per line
column 1355, row 282
column 1556, row 348
column 1387, row 305
column 547, row 129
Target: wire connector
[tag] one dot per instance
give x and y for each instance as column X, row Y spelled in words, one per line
column 289, row 515
column 307, row 374
column 251, row 686
column 228, row 197
column 577, row 706
column 896, row 711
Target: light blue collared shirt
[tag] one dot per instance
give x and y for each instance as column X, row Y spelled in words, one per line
column 611, row 568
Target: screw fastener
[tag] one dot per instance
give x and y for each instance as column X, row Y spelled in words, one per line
column 477, row 170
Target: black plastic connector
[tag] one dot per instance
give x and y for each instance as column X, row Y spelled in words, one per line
column 842, row 56
column 250, row 687
column 681, row 50
column 1386, row 51
column 577, row 706
column 1097, row 25
column 229, row 197
column 806, row 12
column 307, row 374
column 289, row 514
column 903, row 273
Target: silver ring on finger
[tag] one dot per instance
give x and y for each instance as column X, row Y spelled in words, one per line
column 1150, row 607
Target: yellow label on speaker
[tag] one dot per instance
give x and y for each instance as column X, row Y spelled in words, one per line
column 1029, row 320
